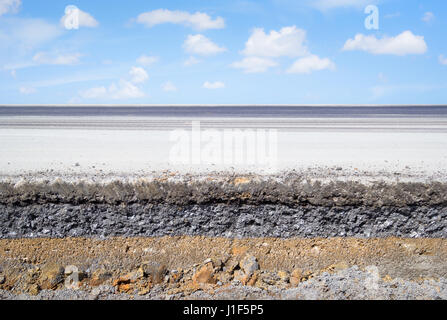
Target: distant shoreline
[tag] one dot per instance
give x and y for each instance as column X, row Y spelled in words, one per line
column 222, row 105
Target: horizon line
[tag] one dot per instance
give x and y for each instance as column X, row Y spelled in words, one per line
column 219, row 105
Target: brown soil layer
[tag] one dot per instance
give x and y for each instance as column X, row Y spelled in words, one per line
column 186, row 264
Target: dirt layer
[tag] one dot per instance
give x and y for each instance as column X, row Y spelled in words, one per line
column 201, row 267
column 290, row 190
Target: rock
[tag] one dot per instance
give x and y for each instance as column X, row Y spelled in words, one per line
column 294, row 281
column 144, row 291
column 34, row 289
column 95, row 293
column 154, row 270
column 2, row 279
column 231, row 265
column 295, row 277
column 51, row 276
column 284, row 276
column 175, row 276
column 249, row 264
column 99, row 277
column 204, row 275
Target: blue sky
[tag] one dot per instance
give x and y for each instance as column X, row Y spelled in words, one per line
column 223, row 52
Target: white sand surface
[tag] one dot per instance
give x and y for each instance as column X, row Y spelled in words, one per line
column 98, row 146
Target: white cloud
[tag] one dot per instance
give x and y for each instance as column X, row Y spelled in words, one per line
column 289, row 41
column 168, row 87
column 428, row 17
column 198, row 20
column 27, row 90
column 325, row 5
column 254, row 64
column 311, row 63
column 442, row 60
column 201, row 45
column 124, row 90
column 56, row 59
column 261, row 49
column 214, row 85
column 9, row 6
column 139, row 75
column 403, row 44
column 191, row 61
column 26, row 34
column 85, row 20
column 146, row 61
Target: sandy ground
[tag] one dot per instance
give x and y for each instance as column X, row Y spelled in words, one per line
column 124, row 146
column 217, row 268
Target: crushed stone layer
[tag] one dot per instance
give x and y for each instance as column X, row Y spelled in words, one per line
column 220, row 268
column 220, row 220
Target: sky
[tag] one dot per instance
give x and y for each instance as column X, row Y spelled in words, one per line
column 223, row 52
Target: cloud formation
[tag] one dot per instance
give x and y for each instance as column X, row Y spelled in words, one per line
column 191, row 61
column 27, row 90
column 198, row 20
column 289, row 42
column 254, row 64
column 26, row 34
column 56, row 59
column 125, row 89
column 85, row 19
column 201, row 45
column 9, row 6
column 214, row 85
column 138, row 75
column 307, row 65
column 428, row 17
column 147, row 61
column 403, row 44
column 262, row 49
column 442, row 60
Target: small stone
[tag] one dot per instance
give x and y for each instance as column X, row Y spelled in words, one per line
column 51, row 276
column 34, row 289
column 297, row 273
column 294, row 281
column 204, row 275
column 77, row 164
column 154, row 270
column 295, row 277
column 284, row 276
column 2, row 279
column 249, row 264
column 95, row 293
column 99, row 277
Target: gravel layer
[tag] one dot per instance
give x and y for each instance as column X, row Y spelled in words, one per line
column 219, row 220
column 348, row 284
